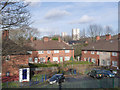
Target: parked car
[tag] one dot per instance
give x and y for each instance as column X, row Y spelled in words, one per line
column 96, row 73
column 108, row 73
column 57, row 78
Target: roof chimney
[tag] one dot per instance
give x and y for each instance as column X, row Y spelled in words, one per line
column 31, row 39
column 108, row 37
column 5, row 34
column 118, row 35
column 45, row 39
column 59, row 39
column 97, row 38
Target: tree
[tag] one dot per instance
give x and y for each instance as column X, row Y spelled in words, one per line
column 108, row 30
column 13, row 14
column 67, row 38
column 23, row 34
column 95, row 30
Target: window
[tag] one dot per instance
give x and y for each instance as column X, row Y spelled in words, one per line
column 67, row 51
column 67, row 58
column 55, row 59
column 98, row 52
column 48, row 52
column 108, row 62
column 114, row 53
column 56, row 51
column 30, row 60
column 40, row 52
column 93, row 60
column 7, row 58
column 7, row 74
column 92, row 52
column 29, row 52
column 42, row 59
column 103, row 62
column 114, row 63
column 85, row 51
column 36, row 60
column 85, row 59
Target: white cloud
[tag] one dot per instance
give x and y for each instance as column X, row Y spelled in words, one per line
column 56, row 14
column 83, row 20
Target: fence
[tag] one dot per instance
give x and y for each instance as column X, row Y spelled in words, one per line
column 32, row 82
column 95, row 83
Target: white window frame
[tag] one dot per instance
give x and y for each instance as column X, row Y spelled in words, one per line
column 98, row 52
column 43, row 59
column 85, row 51
column 41, row 52
column 67, row 51
column 35, row 60
column 31, row 60
column 55, row 60
column 85, row 59
column 92, row 52
column 114, row 53
column 67, row 58
column 113, row 63
column 29, row 52
column 48, row 51
column 108, row 62
column 7, row 58
column 93, row 60
column 56, row 51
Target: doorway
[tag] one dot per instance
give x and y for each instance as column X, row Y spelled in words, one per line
column 48, row 59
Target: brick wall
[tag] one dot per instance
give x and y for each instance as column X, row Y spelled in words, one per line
column 13, row 64
column 115, row 58
column 89, row 55
column 52, row 54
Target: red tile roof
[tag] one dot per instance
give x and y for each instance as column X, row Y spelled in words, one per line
column 104, row 45
column 50, row 45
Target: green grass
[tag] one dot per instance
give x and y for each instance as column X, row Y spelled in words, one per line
column 38, row 76
column 76, row 62
column 10, row 85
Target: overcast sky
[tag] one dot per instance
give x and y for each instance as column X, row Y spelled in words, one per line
column 56, row 17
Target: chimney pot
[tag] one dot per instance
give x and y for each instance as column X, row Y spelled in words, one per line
column 97, row 38
column 31, row 39
column 59, row 39
column 108, row 37
column 118, row 35
column 5, row 34
column 45, row 39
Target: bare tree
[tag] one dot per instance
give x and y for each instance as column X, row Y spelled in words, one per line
column 108, row 30
column 82, row 34
column 67, row 38
column 23, row 34
column 95, row 30
column 13, row 14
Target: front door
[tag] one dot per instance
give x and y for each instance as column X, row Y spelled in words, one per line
column 24, row 75
column 61, row 59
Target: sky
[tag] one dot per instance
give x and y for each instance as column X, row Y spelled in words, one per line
column 56, row 17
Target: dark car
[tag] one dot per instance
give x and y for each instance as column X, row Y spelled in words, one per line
column 96, row 73
column 108, row 73
column 57, row 78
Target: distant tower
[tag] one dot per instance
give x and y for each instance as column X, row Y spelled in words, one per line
column 64, row 34
column 76, row 34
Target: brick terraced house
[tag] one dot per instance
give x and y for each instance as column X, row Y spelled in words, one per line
column 103, row 52
column 14, row 60
column 50, row 50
